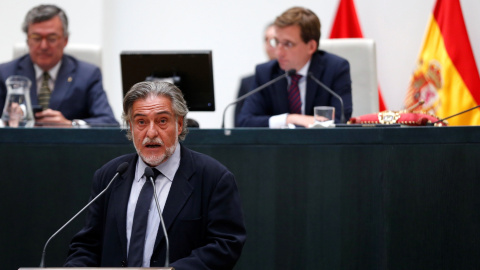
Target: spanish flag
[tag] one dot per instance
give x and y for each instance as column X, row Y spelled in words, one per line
column 346, row 25
column 446, row 79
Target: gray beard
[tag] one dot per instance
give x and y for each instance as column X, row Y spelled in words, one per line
column 157, row 160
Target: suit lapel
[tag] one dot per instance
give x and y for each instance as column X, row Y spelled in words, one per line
column 179, row 193
column 63, row 82
column 121, row 194
column 25, row 68
column 317, row 68
column 281, row 97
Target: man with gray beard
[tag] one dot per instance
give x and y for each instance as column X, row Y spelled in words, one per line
column 198, row 196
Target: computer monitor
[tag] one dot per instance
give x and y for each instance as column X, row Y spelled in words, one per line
column 191, row 71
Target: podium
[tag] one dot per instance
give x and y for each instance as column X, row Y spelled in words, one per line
column 371, row 205
column 96, row 268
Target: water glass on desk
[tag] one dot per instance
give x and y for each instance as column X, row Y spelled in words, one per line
column 324, row 116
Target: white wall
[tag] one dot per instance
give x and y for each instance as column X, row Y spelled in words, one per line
column 233, row 31
column 85, row 23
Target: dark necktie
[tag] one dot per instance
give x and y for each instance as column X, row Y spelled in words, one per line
column 45, row 92
column 294, row 101
column 140, row 220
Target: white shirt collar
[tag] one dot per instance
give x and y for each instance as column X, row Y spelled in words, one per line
column 53, row 72
column 168, row 168
column 304, row 70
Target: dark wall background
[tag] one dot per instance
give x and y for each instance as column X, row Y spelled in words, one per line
column 351, row 198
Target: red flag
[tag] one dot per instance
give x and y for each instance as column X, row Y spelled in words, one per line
column 346, row 25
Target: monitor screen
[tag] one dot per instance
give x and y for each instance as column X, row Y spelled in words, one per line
column 191, row 71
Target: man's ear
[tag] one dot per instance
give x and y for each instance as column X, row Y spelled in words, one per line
column 312, row 46
column 180, row 122
column 129, row 123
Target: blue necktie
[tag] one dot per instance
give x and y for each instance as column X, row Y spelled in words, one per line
column 294, row 101
column 140, row 220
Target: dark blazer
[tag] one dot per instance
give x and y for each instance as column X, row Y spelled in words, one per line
column 203, row 217
column 246, row 84
column 330, row 69
column 78, row 92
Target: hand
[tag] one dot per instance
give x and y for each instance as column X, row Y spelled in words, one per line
column 300, row 120
column 51, row 117
column 15, row 113
column 322, row 118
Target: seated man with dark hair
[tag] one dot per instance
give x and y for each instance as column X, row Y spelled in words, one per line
column 291, row 101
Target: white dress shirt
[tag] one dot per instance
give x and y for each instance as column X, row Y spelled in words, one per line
column 53, row 72
column 280, row 121
column 162, row 185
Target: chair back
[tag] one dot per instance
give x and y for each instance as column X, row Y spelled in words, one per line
column 85, row 52
column 361, row 54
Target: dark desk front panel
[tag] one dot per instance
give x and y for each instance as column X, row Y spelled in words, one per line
column 352, row 198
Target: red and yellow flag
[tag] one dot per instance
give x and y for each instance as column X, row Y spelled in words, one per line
column 346, row 25
column 446, row 80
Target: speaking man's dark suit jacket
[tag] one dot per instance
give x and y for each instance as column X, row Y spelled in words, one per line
column 78, row 92
column 330, row 69
column 203, row 217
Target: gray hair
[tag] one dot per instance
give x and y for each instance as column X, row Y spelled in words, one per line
column 142, row 90
column 43, row 13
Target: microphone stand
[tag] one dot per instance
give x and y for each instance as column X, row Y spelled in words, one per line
column 291, row 72
column 342, row 113
column 441, row 120
column 149, row 174
column 120, row 170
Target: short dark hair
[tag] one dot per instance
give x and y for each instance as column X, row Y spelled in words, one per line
column 43, row 13
column 305, row 18
column 142, row 90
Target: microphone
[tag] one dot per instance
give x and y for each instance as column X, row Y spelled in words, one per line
column 149, row 175
column 291, row 72
column 342, row 113
column 120, row 170
column 462, row 112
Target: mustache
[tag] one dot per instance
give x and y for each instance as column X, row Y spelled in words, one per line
column 152, row 141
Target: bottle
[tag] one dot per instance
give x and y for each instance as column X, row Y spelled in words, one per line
column 17, row 111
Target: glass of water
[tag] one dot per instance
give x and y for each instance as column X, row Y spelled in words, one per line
column 324, row 115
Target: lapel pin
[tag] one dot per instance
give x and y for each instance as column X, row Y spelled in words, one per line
column 70, row 79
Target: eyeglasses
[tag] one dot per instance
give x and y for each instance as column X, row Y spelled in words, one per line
column 286, row 44
column 36, row 39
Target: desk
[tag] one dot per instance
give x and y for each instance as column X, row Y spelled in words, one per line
column 345, row 198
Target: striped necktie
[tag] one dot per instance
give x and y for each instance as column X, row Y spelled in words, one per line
column 45, row 92
column 294, row 101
